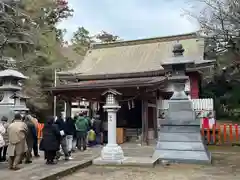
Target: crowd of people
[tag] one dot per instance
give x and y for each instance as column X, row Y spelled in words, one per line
column 60, row 137
column 18, row 138
column 68, row 135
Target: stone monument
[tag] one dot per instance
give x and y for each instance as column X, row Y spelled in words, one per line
column 179, row 137
column 112, row 153
column 12, row 100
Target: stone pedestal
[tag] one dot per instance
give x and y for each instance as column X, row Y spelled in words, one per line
column 112, row 153
column 179, row 138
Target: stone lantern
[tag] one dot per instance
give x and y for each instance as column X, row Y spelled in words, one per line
column 112, row 153
column 20, row 101
column 179, row 137
column 9, row 87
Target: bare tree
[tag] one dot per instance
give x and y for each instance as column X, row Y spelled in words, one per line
column 220, row 20
column 220, row 25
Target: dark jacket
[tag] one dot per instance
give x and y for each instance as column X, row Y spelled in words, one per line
column 51, row 137
column 61, row 124
column 89, row 122
column 69, row 126
column 74, row 122
column 31, row 133
column 97, row 126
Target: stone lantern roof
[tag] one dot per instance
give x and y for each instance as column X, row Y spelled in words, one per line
column 12, row 73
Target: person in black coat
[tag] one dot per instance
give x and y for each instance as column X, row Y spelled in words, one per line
column 50, row 140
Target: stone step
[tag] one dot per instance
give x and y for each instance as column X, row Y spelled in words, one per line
column 200, row 157
column 179, row 129
column 185, row 137
column 181, row 146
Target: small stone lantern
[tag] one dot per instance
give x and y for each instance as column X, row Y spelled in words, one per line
column 20, row 103
column 112, row 153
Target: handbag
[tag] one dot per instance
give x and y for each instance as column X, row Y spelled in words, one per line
column 41, row 145
column 91, row 135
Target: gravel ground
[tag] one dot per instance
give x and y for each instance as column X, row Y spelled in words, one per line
column 225, row 166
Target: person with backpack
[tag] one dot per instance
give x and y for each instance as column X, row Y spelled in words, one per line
column 82, row 127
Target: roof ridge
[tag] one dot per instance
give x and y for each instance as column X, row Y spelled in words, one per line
column 145, row 40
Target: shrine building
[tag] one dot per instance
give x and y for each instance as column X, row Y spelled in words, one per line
column 135, row 69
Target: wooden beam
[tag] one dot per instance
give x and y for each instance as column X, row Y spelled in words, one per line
column 97, row 93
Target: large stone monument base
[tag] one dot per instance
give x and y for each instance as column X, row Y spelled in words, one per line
column 181, row 144
column 111, row 154
column 179, row 138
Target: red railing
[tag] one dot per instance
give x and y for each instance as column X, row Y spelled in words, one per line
column 222, row 134
column 226, row 134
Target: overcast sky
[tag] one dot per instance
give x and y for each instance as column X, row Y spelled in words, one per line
column 129, row 19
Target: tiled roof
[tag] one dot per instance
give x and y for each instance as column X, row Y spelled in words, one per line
column 69, row 53
column 137, row 56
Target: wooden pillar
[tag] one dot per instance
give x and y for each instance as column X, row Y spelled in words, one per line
column 145, row 122
column 155, row 119
column 68, row 108
column 90, row 107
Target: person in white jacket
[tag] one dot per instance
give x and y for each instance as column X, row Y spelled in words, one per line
column 2, row 132
column 3, row 149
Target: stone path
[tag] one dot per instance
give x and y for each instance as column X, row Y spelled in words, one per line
column 38, row 170
column 225, row 166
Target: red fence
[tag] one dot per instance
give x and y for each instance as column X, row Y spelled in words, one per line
column 227, row 134
column 222, row 134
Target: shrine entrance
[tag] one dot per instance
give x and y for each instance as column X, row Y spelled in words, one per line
column 132, row 116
